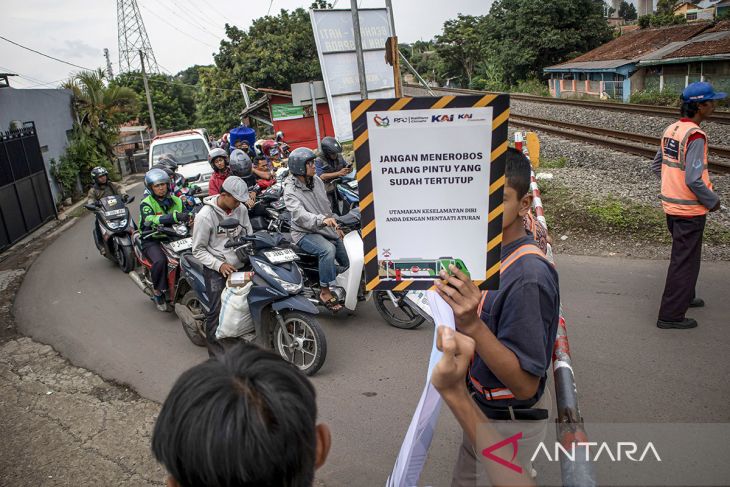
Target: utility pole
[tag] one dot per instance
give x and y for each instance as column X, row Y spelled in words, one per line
column 149, row 98
column 392, row 51
column 109, row 71
column 358, row 50
column 314, row 112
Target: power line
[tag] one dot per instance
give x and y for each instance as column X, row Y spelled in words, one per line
column 212, row 20
column 199, row 21
column 162, row 18
column 196, row 25
column 180, row 83
column 45, row 55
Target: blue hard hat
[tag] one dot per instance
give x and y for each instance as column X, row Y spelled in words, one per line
column 700, row 92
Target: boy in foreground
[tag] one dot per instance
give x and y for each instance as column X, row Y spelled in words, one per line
column 513, row 328
column 244, row 418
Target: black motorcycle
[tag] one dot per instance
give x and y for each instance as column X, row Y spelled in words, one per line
column 283, row 318
column 116, row 228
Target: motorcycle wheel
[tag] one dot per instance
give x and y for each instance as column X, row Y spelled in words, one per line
column 402, row 316
column 190, row 301
column 309, row 344
column 125, row 258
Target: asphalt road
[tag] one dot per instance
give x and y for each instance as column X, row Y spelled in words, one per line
column 627, row 370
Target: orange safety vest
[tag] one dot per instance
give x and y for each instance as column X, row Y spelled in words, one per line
column 501, row 393
column 677, row 198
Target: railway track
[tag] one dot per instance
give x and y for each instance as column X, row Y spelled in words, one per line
column 722, row 117
column 637, row 144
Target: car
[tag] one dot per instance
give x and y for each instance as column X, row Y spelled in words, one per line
column 190, row 149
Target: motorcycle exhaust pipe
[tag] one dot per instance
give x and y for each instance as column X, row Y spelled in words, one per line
column 138, row 281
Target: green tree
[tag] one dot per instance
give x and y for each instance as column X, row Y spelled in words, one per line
column 627, row 11
column 657, row 20
column 525, row 36
column 666, row 7
column 99, row 109
column 460, row 46
column 173, row 101
column 218, row 100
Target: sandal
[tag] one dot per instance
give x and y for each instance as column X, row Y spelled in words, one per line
column 333, row 304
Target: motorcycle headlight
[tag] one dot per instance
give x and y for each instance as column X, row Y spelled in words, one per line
column 181, row 230
column 290, row 287
column 116, row 224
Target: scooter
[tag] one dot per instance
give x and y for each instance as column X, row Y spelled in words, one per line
column 392, row 306
column 283, row 318
column 116, row 228
column 347, row 194
column 179, row 241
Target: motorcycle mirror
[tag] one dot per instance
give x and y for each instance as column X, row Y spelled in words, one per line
column 90, row 207
column 229, row 223
column 131, row 198
column 192, row 179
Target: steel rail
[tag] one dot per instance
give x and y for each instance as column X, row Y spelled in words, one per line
column 613, row 139
column 722, row 117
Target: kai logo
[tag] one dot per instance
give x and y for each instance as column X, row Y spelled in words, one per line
column 451, row 118
column 381, row 121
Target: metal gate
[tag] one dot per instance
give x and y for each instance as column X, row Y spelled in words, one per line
column 26, row 201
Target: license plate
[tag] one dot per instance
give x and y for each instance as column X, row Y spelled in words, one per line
column 112, row 213
column 279, row 256
column 183, row 244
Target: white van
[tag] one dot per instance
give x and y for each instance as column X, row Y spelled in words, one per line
column 190, row 149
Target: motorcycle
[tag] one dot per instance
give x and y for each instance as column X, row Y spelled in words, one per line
column 283, row 319
column 179, row 241
column 347, row 194
column 116, row 228
column 349, row 289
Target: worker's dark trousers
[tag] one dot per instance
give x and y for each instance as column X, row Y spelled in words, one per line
column 684, row 267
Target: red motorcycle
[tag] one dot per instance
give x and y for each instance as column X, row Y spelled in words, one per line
column 179, row 241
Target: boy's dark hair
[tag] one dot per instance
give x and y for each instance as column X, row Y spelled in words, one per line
column 517, row 172
column 689, row 109
column 246, row 418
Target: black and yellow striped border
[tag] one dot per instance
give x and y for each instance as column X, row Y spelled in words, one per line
column 358, row 109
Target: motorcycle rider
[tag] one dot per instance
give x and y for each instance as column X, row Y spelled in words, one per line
column 218, row 159
column 241, row 166
column 102, row 188
column 160, row 207
column 209, row 240
column 313, row 227
column 168, row 163
column 331, row 165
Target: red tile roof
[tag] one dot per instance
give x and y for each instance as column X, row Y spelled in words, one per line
column 707, row 48
column 635, row 44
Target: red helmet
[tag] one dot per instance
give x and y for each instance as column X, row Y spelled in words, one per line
column 270, row 148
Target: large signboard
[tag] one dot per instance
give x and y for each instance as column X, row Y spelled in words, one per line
column 431, row 184
column 334, row 36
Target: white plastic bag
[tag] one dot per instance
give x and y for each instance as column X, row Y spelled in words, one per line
column 235, row 317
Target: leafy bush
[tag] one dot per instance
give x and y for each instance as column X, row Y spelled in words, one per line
column 661, row 20
column 655, row 97
column 531, row 86
column 82, row 155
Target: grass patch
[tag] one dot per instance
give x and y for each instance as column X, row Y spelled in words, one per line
column 612, row 219
column 557, row 163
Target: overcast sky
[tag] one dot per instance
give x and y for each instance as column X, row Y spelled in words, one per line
column 182, row 32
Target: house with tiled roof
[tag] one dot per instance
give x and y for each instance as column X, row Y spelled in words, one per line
column 665, row 58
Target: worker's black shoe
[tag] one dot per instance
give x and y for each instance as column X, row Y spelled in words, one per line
column 697, row 303
column 684, row 324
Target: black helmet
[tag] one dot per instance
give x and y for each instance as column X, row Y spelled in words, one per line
column 330, row 147
column 165, row 168
column 97, row 172
column 169, row 161
column 298, row 160
column 240, row 164
column 156, row 176
column 214, row 154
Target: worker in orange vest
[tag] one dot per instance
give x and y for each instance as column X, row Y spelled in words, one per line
column 686, row 196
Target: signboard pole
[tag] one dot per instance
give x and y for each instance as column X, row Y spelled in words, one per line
column 314, row 112
column 358, row 50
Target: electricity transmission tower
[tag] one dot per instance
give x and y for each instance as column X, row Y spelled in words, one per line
column 133, row 39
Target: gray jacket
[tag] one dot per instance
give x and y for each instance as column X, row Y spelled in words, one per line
column 209, row 238
column 694, row 167
column 308, row 208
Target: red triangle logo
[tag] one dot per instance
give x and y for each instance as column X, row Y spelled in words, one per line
column 487, row 452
